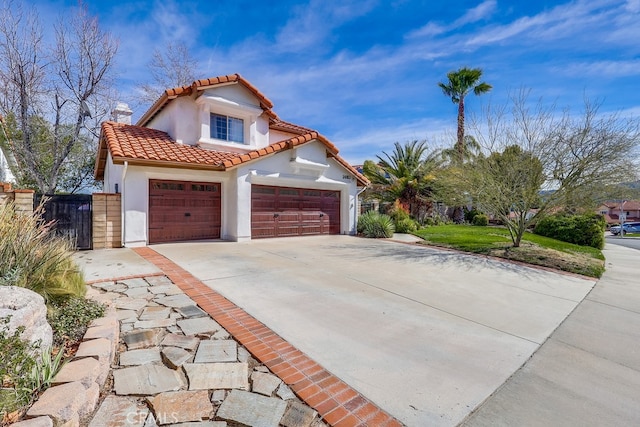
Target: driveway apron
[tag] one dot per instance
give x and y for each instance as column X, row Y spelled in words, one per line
column 425, row 334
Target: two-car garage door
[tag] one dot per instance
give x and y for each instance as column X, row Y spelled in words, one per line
column 186, row 210
column 285, row 211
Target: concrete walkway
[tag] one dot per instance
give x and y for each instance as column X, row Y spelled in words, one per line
column 588, row 372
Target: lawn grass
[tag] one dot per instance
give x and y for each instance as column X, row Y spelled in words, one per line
column 534, row 249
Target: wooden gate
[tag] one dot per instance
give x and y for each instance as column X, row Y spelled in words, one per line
column 71, row 214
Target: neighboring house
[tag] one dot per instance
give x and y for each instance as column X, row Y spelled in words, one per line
column 212, row 160
column 612, row 210
column 5, row 171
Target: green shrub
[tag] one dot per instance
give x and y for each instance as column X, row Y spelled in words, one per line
column 480, row 220
column 406, row 225
column 584, row 230
column 375, row 225
column 33, row 257
column 25, row 369
column 469, row 215
column 69, row 318
column 402, row 221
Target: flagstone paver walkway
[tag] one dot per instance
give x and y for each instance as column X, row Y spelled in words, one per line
column 192, row 363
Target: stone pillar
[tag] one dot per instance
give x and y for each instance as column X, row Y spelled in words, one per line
column 23, row 201
column 107, row 218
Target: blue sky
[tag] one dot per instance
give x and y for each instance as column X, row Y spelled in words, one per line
column 364, row 73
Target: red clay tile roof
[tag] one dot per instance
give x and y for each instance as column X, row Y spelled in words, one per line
column 277, row 124
column 146, row 146
column 203, row 84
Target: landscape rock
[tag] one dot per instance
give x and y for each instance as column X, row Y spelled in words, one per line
column 179, row 340
column 117, row 411
column 252, row 409
column 217, row 396
column 180, row 406
column 179, row 300
column 86, row 371
column 216, row 351
column 140, row 356
column 146, row 380
column 207, row 376
column 156, row 323
column 165, row 289
column 155, row 281
column 174, row 357
column 126, row 303
column 284, row 392
column 138, row 293
column 198, row 325
column 298, row 415
column 191, row 311
column 155, row 313
column 243, row 354
column 202, row 424
column 35, row 422
column 141, row 339
column 25, row 308
column 92, row 394
column 137, row 282
column 62, row 403
column 264, row 383
column 126, row 314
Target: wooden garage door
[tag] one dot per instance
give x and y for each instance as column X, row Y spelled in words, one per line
column 284, row 211
column 183, row 210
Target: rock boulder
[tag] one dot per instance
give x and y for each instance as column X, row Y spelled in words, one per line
column 25, row 308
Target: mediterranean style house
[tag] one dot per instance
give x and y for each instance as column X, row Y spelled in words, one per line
column 630, row 209
column 212, row 160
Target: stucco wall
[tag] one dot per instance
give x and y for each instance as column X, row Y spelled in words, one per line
column 180, row 119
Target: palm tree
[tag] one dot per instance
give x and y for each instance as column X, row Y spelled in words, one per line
column 406, row 175
column 460, row 83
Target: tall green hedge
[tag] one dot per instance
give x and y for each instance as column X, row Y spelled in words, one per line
column 584, row 230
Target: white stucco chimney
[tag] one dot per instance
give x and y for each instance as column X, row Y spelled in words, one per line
column 122, row 113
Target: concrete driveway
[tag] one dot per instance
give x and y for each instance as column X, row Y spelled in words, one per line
column 425, row 334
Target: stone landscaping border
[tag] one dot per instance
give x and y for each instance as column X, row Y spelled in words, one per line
column 76, row 388
column 337, row 402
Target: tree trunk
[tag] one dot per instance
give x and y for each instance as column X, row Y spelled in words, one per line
column 458, row 215
column 460, row 141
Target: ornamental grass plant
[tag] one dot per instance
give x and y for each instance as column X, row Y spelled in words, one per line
column 34, row 257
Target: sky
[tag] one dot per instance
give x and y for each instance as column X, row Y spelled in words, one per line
column 365, row 73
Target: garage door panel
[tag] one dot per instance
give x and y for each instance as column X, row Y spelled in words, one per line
column 183, row 210
column 284, row 211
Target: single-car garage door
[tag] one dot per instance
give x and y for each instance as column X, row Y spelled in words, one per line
column 284, row 211
column 183, row 210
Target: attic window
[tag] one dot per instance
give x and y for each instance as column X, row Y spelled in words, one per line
column 227, row 128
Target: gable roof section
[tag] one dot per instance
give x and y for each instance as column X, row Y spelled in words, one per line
column 150, row 147
column 200, row 85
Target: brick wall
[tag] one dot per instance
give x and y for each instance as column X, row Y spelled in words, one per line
column 106, row 221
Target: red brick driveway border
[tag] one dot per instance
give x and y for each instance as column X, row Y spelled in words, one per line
column 337, row 403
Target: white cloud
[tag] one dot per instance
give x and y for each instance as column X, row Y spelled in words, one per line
column 478, row 13
column 574, row 19
column 311, row 24
column 603, row 69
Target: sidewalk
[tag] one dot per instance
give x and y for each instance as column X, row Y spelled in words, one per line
column 588, row 372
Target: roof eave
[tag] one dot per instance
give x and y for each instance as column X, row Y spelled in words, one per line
column 166, row 163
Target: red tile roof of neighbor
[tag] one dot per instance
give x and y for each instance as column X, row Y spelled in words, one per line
column 146, row 146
